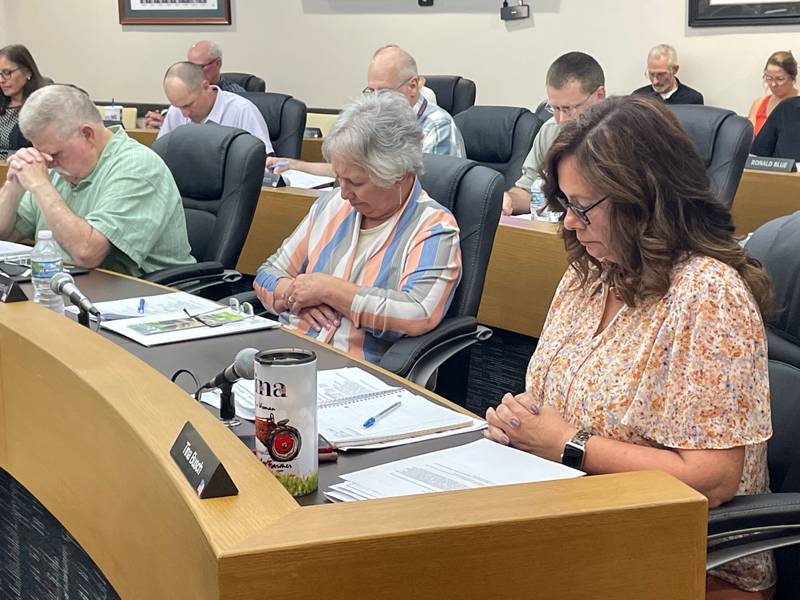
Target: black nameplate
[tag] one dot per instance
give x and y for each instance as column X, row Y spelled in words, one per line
column 202, row 469
column 767, row 163
column 10, row 291
column 273, row 180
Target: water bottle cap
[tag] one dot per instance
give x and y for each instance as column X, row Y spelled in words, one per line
column 44, row 234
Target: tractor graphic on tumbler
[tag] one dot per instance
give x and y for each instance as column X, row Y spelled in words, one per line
column 282, row 441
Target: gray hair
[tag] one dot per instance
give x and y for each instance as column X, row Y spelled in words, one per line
column 214, row 51
column 63, row 106
column 380, row 133
column 189, row 73
column 406, row 65
column 664, row 51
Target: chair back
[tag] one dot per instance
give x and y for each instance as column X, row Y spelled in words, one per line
column 498, row 137
column 723, row 141
column 541, row 111
column 776, row 245
column 218, row 171
column 453, row 92
column 474, row 194
column 250, row 82
column 286, row 120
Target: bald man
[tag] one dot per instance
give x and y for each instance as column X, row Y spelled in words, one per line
column 195, row 100
column 394, row 69
column 208, row 56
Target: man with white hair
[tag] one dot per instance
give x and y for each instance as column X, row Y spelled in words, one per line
column 208, row 56
column 394, row 69
column 109, row 201
column 194, row 100
column 662, row 68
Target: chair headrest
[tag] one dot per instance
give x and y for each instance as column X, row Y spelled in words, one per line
column 702, row 123
column 442, row 176
column 488, row 131
column 195, row 154
column 270, row 105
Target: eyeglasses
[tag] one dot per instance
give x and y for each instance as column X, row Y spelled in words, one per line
column 6, row 73
column 578, row 211
column 778, row 79
column 217, row 317
column 204, row 65
column 657, row 74
column 567, row 111
column 368, row 90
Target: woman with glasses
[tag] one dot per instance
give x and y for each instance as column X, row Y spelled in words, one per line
column 779, row 77
column 19, row 78
column 653, row 354
column 779, row 136
column 376, row 259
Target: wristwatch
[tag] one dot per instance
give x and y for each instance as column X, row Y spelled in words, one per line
column 575, row 450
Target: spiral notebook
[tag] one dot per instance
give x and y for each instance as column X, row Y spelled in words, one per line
column 342, row 413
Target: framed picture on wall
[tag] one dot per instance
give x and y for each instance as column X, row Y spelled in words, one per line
column 725, row 13
column 175, row 12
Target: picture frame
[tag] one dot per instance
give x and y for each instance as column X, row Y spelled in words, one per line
column 175, row 12
column 738, row 13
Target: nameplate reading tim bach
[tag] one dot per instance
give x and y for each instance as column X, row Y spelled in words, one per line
column 202, row 469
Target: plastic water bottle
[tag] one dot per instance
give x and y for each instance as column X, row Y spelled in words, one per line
column 46, row 261
column 539, row 210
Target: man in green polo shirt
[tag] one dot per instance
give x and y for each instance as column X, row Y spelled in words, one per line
column 109, row 201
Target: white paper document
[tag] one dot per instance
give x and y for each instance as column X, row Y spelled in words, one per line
column 479, row 464
column 11, row 251
column 157, row 305
column 300, row 179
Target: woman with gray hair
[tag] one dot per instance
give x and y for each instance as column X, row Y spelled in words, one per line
column 375, row 259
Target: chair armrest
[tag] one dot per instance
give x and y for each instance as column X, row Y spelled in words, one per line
column 201, row 270
column 401, row 356
column 757, row 511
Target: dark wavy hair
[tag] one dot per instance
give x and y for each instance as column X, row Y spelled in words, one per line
column 20, row 56
column 661, row 207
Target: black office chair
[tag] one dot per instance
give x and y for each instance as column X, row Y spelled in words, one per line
column 776, row 245
column 218, row 171
column 453, row 92
column 251, row 83
column 474, row 194
column 750, row 524
column 723, row 140
column 286, row 119
column 498, row 137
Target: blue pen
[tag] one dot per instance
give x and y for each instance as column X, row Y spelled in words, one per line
column 278, row 165
column 372, row 420
column 140, row 310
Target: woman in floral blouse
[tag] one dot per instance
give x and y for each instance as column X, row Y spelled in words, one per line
column 653, row 355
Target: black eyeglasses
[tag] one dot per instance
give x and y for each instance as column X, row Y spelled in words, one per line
column 578, row 211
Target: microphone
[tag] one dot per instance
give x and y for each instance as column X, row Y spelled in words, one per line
column 243, row 367
column 63, row 284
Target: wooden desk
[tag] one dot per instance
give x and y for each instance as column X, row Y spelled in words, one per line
column 763, row 196
column 93, row 448
column 143, row 136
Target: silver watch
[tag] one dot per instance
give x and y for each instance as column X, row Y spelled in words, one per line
column 575, row 449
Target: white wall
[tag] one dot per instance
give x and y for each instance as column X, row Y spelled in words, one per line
column 318, row 50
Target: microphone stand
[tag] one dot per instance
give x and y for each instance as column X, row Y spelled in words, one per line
column 83, row 317
column 227, row 408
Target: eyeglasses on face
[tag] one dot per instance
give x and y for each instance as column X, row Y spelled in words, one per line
column 578, row 211
column 368, row 90
column 777, row 79
column 568, row 110
column 6, row 73
column 651, row 75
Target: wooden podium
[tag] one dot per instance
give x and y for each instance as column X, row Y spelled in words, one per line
column 87, row 428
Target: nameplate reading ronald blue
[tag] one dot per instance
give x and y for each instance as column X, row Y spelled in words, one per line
column 203, row 470
column 766, row 163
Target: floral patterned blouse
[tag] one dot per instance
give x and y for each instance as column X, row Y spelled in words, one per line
column 686, row 371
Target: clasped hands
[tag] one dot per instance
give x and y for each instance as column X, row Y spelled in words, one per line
column 305, row 297
column 27, row 168
column 521, row 422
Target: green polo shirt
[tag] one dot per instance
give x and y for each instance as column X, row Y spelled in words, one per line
column 131, row 198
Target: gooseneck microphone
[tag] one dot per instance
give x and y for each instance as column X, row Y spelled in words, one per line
column 64, row 284
column 243, row 367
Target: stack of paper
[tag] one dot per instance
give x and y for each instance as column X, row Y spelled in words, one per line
column 479, row 464
column 12, row 252
column 301, row 179
column 174, row 317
